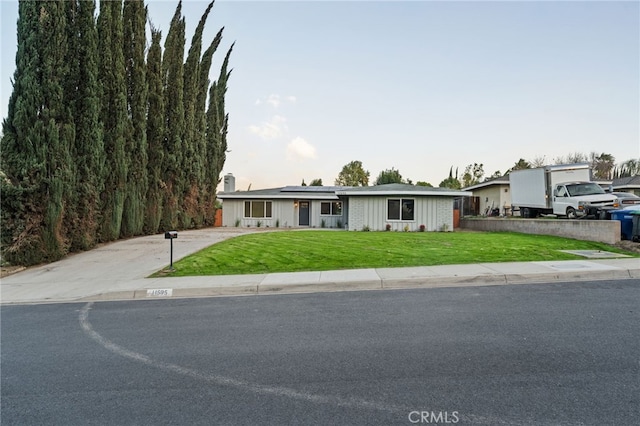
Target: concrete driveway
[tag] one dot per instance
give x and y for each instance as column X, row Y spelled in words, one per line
column 108, row 267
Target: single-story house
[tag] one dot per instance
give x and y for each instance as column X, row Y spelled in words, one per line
column 492, row 194
column 401, row 206
column 627, row 184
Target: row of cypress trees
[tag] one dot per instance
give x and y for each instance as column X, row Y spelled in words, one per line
column 104, row 138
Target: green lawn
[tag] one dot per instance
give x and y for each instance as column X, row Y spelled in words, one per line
column 292, row 251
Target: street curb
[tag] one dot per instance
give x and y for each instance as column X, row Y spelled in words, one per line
column 359, row 285
column 435, row 282
column 335, row 281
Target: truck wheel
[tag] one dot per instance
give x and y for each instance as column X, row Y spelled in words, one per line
column 571, row 213
column 526, row 213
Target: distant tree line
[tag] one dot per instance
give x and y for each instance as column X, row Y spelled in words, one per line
column 105, row 139
column 603, row 166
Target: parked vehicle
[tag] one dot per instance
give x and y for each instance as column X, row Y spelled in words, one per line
column 563, row 190
column 625, row 200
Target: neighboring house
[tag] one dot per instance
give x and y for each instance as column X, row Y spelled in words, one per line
column 492, row 194
column 627, row 184
column 604, row 184
column 352, row 208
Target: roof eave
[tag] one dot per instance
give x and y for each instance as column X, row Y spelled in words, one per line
column 277, row 197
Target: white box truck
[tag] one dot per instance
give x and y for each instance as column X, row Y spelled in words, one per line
column 563, row 190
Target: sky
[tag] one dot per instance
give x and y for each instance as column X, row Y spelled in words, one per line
column 419, row 86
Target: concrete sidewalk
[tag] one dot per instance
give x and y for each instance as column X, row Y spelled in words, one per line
column 117, row 271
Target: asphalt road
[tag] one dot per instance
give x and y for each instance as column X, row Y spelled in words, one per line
column 544, row 354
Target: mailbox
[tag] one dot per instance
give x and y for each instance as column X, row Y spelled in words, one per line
column 171, row 235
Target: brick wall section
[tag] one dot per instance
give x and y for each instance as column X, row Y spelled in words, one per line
column 604, row 231
column 444, row 213
column 356, row 214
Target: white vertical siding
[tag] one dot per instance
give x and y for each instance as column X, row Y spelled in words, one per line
column 231, row 210
column 329, row 221
column 282, row 211
column 435, row 213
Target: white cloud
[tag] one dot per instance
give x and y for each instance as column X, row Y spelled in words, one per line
column 300, row 149
column 276, row 100
column 272, row 129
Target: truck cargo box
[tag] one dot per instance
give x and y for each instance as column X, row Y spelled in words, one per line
column 529, row 188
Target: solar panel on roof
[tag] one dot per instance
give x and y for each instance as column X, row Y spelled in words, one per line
column 310, row 188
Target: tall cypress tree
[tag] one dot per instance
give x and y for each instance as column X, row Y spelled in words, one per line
column 70, row 85
column 114, row 115
column 207, row 199
column 135, row 17
column 58, row 129
column 83, row 94
column 217, row 127
column 75, row 97
column 23, row 149
column 155, row 135
column 192, row 163
column 173, row 83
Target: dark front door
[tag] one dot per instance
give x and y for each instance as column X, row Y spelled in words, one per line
column 303, row 213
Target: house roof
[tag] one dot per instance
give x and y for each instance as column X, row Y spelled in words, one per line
column 401, row 189
column 502, row 180
column 286, row 192
column 332, row 192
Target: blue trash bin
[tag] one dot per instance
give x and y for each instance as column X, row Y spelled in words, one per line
column 635, row 232
column 626, row 222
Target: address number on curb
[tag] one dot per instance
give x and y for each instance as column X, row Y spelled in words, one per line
column 160, row 292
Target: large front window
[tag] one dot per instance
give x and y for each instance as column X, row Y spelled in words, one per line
column 257, row 209
column 400, row 209
column 331, row 208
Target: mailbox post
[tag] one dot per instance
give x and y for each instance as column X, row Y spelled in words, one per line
column 171, row 235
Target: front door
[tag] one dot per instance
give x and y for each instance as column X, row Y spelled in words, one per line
column 303, row 213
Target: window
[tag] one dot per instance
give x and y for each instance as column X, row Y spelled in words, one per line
column 257, row 209
column 331, row 208
column 400, row 209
